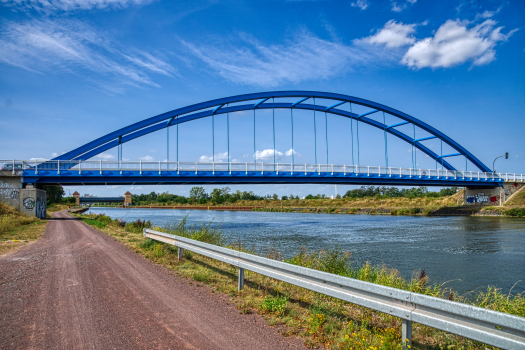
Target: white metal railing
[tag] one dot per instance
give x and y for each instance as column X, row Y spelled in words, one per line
column 237, row 167
column 487, row 326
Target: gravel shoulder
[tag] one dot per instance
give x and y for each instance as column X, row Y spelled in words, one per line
column 77, row 288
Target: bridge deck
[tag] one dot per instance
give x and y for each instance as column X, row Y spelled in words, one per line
column 101, row 173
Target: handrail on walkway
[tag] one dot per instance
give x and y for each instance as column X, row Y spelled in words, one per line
column 487, row 326
column 71, row 166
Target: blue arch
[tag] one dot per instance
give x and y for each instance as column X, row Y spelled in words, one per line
column 206, row 109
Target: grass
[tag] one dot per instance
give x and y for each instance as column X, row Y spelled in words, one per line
column 518, row 199
column 17, row 229
column 319, row 320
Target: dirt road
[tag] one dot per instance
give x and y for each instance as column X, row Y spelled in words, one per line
column 77, row 288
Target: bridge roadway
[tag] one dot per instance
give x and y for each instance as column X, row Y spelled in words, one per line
column 134, row 172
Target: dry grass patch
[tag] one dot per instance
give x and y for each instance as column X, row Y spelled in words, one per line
column 17, row 229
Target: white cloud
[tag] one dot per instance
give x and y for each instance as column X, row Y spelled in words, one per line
column 304, row 58
column 70, row 5
column 54, row 154
column 393, row 34
column 455, row 44
column 147, row 158
column 104, row 156
column 71, row 46
column 362, row 4
column 136, row 188
column 290, row 151
column 268, row 154
column 219, row 157
column 398, row 7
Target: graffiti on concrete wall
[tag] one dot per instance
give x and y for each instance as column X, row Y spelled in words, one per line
column 479, row 198
column 40, row 208
column 29, row 203
column 9, row 192
column 14, row 194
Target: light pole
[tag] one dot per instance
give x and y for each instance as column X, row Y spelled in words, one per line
column 506, row 155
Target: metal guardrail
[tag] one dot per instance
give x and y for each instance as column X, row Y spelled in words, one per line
column 142, row 166
column 483, row 325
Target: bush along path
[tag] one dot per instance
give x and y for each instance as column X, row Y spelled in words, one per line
column 320, row 321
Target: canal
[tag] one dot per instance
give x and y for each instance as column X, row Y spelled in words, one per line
column 465, row 253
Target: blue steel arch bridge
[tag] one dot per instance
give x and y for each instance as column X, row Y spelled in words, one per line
column 76, row 167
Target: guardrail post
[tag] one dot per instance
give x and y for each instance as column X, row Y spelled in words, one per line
column 406, row 334
column 58, row 168
column 140, row 167
column 241, row 279
column 246, row 168
column 196, row 167
column 179, row 254
column 36, row 167
column 100, row 165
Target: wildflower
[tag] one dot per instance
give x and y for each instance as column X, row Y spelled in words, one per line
column 346, row 336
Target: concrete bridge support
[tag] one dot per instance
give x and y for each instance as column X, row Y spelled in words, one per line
column 491, row 196
column 30, row 201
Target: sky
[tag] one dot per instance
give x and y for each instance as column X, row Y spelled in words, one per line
column 74, row 70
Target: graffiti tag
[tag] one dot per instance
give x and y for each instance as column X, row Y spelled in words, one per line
column 478, row 198
column 29, row 203
column 40, row 208
column 14, row 194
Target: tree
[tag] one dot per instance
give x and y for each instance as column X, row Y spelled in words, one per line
column 54, row 193
column 284, row 198
column 275, row 196
column 198, row 193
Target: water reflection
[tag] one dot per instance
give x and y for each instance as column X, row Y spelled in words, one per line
column 472, row 252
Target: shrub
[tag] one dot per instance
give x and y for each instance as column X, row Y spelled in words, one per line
column 393, row 212
column 275, row 305
column 516, row 212
column 137, row 226
column 414, row 211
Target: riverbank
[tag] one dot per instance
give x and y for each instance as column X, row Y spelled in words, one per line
column 318, row 320
column 471, row 210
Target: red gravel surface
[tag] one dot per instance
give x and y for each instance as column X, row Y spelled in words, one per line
column 77, row 288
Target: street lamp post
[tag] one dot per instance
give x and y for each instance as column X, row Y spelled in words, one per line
column 506, row 155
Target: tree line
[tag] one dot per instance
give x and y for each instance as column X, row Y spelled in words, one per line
column 198, row 195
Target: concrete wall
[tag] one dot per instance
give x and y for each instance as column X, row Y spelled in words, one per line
column 30, row 201
column 490, row 196
column 33, row 202
column 10, row 187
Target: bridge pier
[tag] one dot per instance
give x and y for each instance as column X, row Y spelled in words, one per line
column 492, row 195
column 27, row 200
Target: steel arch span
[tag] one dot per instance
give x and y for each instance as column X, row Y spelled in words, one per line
column 265, row 100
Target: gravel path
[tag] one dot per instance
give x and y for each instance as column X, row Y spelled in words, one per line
column 77, row 288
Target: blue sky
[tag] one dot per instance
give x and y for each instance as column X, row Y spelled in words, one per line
column 71, row 71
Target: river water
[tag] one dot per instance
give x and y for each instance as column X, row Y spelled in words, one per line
column 467, row 253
